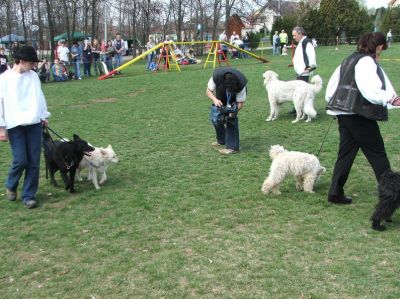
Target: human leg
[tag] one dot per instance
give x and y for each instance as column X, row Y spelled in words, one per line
column 33, row 142
column 218, row 125
column 348, row 149
column 232, row 134
column 371, row 143
column 18, row 146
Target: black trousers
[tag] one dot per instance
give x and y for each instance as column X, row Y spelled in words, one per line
column 303, row 78
column 356, row 133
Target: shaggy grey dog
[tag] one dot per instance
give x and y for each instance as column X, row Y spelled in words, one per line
column 389, row 199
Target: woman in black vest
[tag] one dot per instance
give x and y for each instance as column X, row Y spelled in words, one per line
column 227, row 89
column 358, row 94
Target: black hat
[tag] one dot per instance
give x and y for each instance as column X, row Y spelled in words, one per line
column 26, row 53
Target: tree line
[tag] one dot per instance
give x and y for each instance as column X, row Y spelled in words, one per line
column 342, row 21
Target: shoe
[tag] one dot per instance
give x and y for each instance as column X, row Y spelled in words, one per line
column 340, row 199
column 11, row 195
column 227, row 151
column 30, row 204
column 215, row 143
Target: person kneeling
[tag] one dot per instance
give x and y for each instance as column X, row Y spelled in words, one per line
column 57, row 71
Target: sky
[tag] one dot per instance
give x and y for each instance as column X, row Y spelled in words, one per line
column 376, row 3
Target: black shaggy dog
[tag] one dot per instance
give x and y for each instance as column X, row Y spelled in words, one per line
column 389, row 199
column 64, row 156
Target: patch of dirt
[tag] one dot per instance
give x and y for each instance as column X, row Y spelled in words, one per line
column 104, row 100
column 137, row 92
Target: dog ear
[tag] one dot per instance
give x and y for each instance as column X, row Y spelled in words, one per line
column 109, row 146
column 76, row 137
column 103, row 152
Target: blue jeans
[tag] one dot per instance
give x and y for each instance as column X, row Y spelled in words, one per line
column 149, row 59
column 77, row 66
column 25, row 142
column 117, row 60
column 226, row 133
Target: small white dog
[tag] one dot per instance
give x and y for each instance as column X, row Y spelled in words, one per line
column 305, row 167
column 97, row 164
column 299, row 92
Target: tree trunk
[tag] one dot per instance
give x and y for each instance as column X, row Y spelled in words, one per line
column 51, row 28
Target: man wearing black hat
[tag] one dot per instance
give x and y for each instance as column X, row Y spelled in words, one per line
column 23, row 111
column 227, row 89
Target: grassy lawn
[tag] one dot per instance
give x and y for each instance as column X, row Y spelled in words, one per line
column 177, row 220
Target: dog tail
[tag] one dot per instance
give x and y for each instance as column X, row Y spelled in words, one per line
column 309, row 106
column 317, row 83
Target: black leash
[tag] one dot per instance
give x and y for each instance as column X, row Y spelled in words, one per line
column 55, row 133
column 65, row 140
column 326, row 134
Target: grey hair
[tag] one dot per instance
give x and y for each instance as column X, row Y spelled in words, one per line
column 299, row 30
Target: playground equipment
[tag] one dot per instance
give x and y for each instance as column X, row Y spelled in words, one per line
column 169, row 54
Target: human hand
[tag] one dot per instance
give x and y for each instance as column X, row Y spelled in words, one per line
column 217, row 103
column 3, row 134
column 45, row 122
column 395, row 101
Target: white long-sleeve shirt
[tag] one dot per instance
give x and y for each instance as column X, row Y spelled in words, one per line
column 368, row 83
column 298, row 59
column 21, row 99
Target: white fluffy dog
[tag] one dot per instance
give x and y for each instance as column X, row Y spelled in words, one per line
column 305, row 167
column 97, row 164
column 301, row 93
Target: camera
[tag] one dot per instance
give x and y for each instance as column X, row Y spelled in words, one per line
column 227, row 113
column 228, row 109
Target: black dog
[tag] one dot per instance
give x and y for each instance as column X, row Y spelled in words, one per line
column 389, row 199
column 64, row 156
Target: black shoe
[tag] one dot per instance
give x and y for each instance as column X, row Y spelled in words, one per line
column 340, row 199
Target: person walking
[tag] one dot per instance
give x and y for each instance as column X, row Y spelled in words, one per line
column 358, row 94
column 227, row 90
column 23, row 112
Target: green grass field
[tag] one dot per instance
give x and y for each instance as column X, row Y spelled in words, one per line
column 177, row 220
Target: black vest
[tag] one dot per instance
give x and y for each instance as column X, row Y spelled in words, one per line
column 348, row 98
column 218, row 78
column 304, row 46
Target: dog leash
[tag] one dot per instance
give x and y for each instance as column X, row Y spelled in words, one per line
column 63, row 139
column 55, row 133
column 326, row 134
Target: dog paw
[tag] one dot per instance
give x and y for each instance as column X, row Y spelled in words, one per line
column 377, row 226
column 295, row 121
column 268, row 119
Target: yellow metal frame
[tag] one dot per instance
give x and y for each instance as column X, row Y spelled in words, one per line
column 141, row 56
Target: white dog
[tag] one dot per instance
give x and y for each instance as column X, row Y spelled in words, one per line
column 300, row 92
column 305, row 167
column 97, row 164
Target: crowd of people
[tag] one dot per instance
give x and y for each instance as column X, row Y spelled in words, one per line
column 96, row 57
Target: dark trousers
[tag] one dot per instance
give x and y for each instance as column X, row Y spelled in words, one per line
column 227, row 133
column 356, row 133
column 303, row 78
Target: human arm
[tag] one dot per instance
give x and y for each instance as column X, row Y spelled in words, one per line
column 332, row 84
column 211, row 87
column 312, row 61
column 3, row 132
column 213, row 98
column 369, row 83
